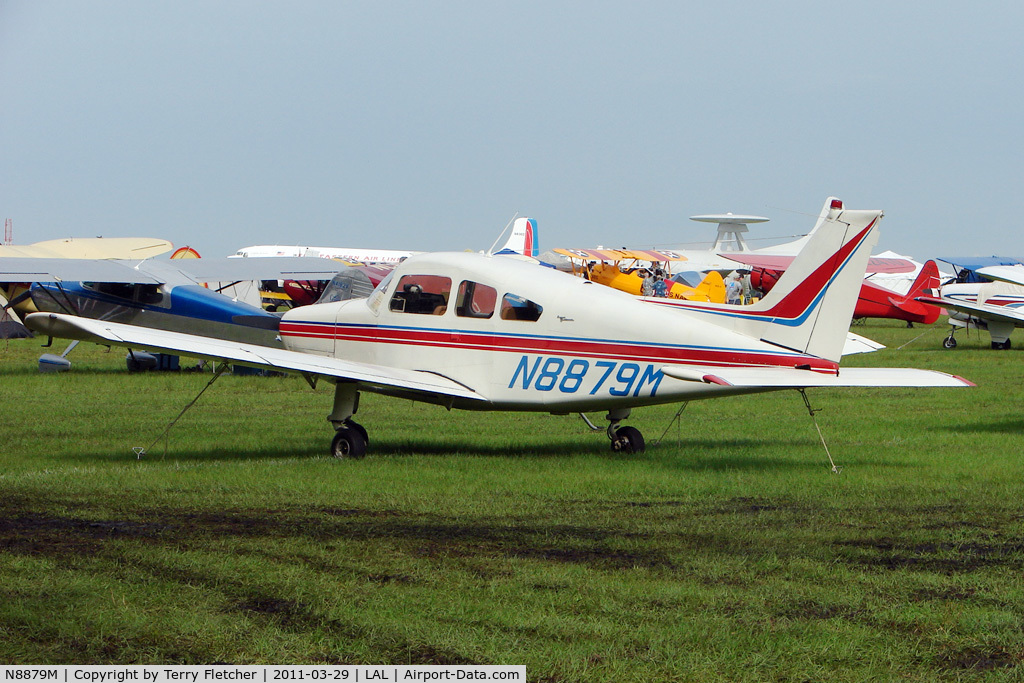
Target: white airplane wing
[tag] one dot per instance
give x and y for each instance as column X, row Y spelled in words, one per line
column 1012, row 274
column 158, row 272
column 71, row 270
column 271, row 268
column 985, row 311
column 378, row 378
column 799, row 379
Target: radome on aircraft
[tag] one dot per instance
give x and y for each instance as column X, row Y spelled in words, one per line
column 481, row 332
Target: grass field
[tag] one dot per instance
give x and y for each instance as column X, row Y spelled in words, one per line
column 729, row 551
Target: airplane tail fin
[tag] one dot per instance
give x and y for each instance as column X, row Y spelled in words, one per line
column 928, row 279
column 523, row 239
column 711, row 288
column 810, row 307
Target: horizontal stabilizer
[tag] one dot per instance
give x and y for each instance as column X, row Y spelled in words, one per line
column 769, row 377
column 855, row 344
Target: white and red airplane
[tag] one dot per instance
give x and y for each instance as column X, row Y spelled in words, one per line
column 996, row 304
column 481, row 332
column 522, row 240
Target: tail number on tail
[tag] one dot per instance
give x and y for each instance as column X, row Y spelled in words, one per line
column 547, row 373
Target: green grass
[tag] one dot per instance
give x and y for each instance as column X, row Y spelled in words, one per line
column 728, row 552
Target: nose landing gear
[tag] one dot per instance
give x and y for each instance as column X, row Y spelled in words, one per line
column 624, row 439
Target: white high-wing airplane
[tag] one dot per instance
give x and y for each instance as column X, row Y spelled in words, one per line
column 481, row 332
column 522, row 240
column 997, row 306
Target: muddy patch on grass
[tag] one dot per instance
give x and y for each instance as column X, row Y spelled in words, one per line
column 37, row 533
column 40, row 534
column 978, row 660
column 939, row 557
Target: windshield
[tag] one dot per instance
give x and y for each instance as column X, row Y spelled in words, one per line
column 350, row 283
column 377, row 296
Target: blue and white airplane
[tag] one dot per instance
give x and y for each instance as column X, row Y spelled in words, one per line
column 161, row 294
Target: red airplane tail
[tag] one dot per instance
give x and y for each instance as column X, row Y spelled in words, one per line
column 927, row 279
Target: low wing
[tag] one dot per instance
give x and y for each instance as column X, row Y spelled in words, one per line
column 1012, row 274
column 799, row 379
column 375, row 378
column 985, row 311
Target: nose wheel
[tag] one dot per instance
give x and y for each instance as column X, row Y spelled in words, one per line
column 628, row 440
column 624, row 439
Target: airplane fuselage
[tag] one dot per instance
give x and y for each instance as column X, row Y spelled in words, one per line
column 547, row 342
column 187, row 308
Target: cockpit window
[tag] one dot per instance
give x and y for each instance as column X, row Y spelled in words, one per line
column 379, row 292
column 475, row 300
column 140, row 293
column 515, row 307
column 424, row 294
column 350, row 283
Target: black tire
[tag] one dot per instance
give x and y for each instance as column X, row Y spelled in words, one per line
column 359, row 428
column 628, row 440
column 949, row 343
column 348, row 443
column 1001, row 346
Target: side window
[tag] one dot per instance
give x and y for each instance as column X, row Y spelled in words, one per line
column 514, row 307
column 138, row 293
column 475, row 300
column 424, row 294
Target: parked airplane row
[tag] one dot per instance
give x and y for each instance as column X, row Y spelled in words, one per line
column 488, row 332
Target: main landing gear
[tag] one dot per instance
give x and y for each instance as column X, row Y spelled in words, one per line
column 624, row 439
column 350, row 438
column 350, row 441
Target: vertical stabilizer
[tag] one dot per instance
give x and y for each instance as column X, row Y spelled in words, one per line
column 523, row 239
column 810, row 308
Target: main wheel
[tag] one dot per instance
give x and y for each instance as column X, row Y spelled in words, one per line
column 949, row 342
column 348, row 443
column 359, row 428
column 1001, row 346
column 628, row 440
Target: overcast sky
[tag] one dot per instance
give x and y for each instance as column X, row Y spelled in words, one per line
column 427, row 125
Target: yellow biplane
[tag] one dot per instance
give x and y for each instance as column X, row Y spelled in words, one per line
column 625, row 270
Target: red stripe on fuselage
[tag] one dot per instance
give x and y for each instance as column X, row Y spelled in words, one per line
column 621, row 351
